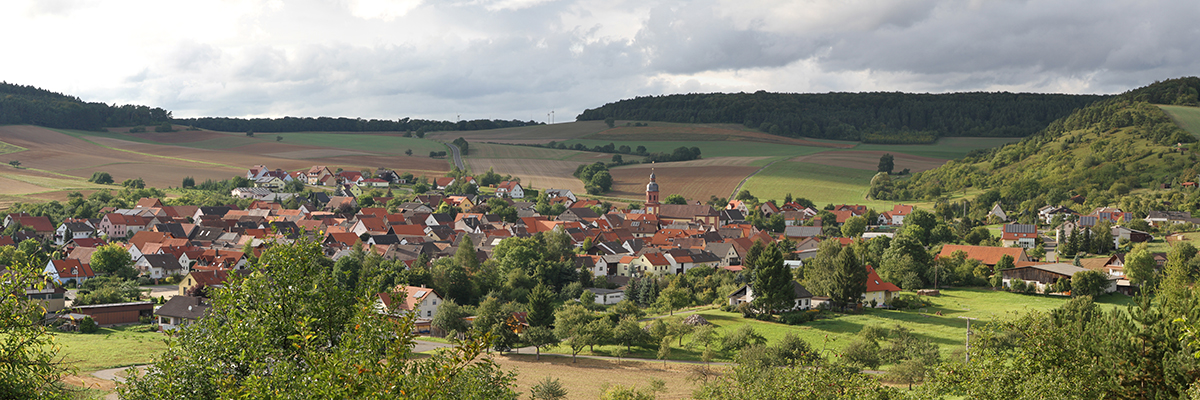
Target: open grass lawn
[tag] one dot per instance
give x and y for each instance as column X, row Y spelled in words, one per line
column 710, row 148
column 1186, row 117
column 823, row 184
column 110, row 348
column 947, row 148
column 833, row 334
column 525, row 134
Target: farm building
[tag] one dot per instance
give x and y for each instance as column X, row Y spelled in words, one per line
column 1047, row 274
column 118, row 313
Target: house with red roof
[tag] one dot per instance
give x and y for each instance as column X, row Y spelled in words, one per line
column 510, row 189
column 420, row 300
column 899, row 212
column 120, row 225
column 988, row 255
column 68, row 270
column 444, row 182
column 878, row 290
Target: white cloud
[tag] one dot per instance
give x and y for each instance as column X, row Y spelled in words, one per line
column 522, row 58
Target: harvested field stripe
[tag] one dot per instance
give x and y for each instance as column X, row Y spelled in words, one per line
column 743, row 182
column 80, row 137
column 6, row 148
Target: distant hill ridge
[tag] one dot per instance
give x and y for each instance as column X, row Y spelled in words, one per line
column 868, row 117
column 1103, row 152
column 21, row 104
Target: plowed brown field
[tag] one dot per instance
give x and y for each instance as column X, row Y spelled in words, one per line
column 691, row 182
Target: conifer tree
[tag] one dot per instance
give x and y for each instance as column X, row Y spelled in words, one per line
column 772, row 282
column 541, row 310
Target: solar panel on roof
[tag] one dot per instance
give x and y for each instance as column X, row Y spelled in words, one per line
column 420, row 294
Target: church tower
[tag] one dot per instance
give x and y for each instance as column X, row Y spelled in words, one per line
column 652, row 195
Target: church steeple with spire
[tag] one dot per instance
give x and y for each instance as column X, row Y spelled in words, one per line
column 652, row 195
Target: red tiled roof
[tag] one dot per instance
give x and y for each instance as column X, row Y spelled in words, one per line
column 877, row 284
column 985, row 254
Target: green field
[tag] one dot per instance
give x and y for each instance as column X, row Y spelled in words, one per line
column 823, row 184
column 713, row 149
column 1186, row 117
column 947, row 148
column 488, row 150
column 833, row 334
column 110, row 348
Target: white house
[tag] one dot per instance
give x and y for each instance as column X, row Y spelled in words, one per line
column 512, row 189
column 409, row 299
column 801, row 296
column 607, row 296
column 158, row 266
column 68, row 270
column 68, row 231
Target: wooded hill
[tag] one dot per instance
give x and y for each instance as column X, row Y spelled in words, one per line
column 1101, row 152
column 30, row 105
column 901, row 118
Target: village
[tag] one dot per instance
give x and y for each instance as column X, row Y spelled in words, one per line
column 197, row 247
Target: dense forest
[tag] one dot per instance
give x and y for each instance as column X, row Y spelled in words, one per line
column 1103, row 153
column 900, row 118
column 30, row 105
column 343, row 124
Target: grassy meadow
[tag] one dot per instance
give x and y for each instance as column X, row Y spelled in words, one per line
column 823, row 184
column 114, row 347
column 1186, row 117
column 947, row 331
column 947, row 148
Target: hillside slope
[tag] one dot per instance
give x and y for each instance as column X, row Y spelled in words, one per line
column 1102, row 152
column 30, row 105
column 900, row 118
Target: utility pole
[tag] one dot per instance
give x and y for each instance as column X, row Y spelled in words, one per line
column 968, row 352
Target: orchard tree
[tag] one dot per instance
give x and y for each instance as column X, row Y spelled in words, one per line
column 32, row 369
column 113, row 259
column 854, row 226
column 1139, row 265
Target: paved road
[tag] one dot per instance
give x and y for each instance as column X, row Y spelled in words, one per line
column 458, row 162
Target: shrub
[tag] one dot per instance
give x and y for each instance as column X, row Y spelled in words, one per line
column 797, row 317
column 88, row 325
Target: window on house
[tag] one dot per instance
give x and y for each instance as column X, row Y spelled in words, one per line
column 429, row 313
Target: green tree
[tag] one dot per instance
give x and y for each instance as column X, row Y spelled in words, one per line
column 541, row 308
column 675, row 296
column 772, row 282
column 854, row 227
column 617, row 159
column 610, row 122
column 189, row 182
column 288, row 329
column 31, row 368
column 538, row 337
column 570, row 326
column 102, row 178
column 114, row 260
column 1006, row 262
column 629, row 333
column 1085, row 283
column 675, row 199
column 1139, row 265
column 849, row 279
column 450, row 317
column 15, row 163
column 548, row 389
column 886, row 163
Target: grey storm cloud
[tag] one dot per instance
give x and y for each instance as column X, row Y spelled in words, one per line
column 445, row 59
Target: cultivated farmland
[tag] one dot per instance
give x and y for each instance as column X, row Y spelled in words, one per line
column 539, row 174
column 869, row 160
column 693, row 183
column 524, row 134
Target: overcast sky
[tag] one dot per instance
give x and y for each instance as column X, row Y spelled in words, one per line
column 520, row 59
